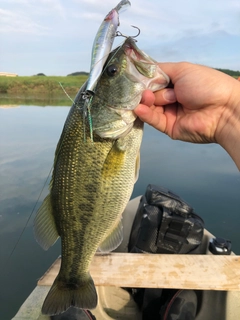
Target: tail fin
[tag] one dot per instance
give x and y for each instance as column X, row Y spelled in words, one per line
column 63, row 295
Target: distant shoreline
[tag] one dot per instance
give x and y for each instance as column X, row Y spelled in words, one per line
column 41, row 84
column 49, row 85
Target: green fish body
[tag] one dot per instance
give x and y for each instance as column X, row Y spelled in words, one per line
column 92, row 181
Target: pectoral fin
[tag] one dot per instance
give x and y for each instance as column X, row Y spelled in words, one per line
column 137, row 167
column 113, row 240
column 44, row 225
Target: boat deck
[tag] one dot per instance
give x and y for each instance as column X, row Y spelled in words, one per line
column 216, row 279
column 220, row 275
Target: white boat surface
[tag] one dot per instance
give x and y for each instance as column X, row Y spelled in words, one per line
column 217, row 280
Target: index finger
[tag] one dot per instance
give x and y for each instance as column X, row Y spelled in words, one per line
column 148, row 98
column 165, row 96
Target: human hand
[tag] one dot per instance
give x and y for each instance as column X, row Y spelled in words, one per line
column 197, row 109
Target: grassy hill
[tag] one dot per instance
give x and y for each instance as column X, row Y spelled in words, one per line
column 231, row 73
column 37, row 85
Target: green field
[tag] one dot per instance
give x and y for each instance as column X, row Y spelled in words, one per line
column 50, row 84
column 41, row 84
column 231, row 73
column 46, row 90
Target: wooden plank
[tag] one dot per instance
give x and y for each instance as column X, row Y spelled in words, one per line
column 203, row 272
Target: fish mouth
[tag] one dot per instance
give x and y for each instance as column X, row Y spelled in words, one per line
column 144, row 68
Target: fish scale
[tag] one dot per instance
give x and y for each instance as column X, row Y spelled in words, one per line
column 91, row 155
column 92, row 181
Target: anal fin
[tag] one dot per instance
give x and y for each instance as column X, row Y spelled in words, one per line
column 113, row 239
column 44, row 225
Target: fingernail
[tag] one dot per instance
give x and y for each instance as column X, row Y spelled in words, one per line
column 169, row 95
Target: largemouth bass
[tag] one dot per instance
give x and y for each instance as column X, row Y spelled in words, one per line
column 93, row 181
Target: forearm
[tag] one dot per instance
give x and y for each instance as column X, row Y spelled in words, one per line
column 228, row 133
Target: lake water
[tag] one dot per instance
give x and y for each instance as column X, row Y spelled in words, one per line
column 204, row 175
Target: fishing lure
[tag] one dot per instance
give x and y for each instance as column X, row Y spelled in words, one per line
column 103, row 42
column 102, row 46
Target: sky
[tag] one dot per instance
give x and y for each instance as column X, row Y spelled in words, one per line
column 55, row 37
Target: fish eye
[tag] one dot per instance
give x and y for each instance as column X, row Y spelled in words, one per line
column 112, row 70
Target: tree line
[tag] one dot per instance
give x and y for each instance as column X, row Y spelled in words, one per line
column 230, row 72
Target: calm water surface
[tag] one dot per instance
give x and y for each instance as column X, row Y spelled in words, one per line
column 204, row 175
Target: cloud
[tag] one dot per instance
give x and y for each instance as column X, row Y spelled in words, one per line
column 182, row 29
column 217, row 49
column 91, row 16
column 19, row 22
column 54, row 6
column 28, row 17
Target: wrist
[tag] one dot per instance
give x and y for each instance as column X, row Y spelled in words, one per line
column 228, row 131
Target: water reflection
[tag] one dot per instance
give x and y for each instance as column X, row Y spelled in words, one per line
column 37, row 100
column 204, row 175
column 8, row 106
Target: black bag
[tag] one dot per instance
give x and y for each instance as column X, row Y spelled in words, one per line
column 165, row 223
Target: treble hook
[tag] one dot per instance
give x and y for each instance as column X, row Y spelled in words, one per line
column 119, row 34
column 139, row 31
